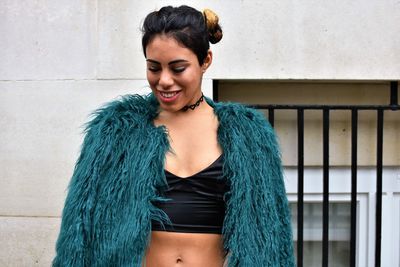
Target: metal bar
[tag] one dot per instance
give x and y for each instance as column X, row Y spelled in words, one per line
column 353, row 230
column 394, row 105
column 271, row 116
column 331, row 107
column 394, row 93
column 325, row 204
column 300, row 186
column 379, row 161
column 215, row 90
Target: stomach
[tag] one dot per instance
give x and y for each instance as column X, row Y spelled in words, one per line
column 172, row 249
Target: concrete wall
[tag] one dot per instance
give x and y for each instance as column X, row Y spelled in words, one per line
column 271, row 39
column 59, row 60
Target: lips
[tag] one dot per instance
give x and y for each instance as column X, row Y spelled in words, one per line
column 168, row 96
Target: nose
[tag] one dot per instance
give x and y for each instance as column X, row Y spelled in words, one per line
column 166, row 79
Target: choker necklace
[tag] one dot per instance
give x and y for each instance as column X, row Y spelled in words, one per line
column 193, row 106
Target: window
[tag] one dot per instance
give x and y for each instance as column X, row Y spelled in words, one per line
column 339, row 233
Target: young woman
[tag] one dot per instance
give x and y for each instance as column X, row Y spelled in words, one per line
column 173, row 178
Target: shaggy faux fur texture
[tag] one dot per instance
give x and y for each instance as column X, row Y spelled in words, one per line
column 107, row 216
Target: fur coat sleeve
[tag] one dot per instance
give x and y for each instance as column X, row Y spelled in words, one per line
column 107, row 212
column 257, row 227
column 74, row 238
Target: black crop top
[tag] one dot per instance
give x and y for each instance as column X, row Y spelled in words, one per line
column 195, row 204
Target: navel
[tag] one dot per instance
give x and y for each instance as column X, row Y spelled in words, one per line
column 179, row 260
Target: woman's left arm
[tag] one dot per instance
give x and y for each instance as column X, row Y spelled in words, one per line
column 274, row 186
column 258, row 229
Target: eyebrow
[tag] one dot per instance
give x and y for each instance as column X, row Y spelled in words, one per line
column 170, row 63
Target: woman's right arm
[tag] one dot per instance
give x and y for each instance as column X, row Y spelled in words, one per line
column 74, row 236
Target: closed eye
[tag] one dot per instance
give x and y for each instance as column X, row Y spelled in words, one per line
column 178, row 70
column 153, row 69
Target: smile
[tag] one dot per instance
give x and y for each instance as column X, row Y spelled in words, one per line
column 169, row 95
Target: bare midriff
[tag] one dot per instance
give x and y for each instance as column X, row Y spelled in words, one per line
column 170, row 249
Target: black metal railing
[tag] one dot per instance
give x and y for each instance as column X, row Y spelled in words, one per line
column 380, row 111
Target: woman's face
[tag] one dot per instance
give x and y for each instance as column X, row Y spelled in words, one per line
column 174, row 73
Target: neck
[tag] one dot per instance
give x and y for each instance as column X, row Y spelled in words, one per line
column 196, row 104
column 187, row 115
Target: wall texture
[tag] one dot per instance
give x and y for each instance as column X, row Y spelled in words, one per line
column 271, row 39
column 59, row 60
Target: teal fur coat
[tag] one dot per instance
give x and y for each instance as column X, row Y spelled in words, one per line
column 107, row 216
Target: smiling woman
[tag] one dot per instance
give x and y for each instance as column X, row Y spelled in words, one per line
column 174, row 73
column 173, row 178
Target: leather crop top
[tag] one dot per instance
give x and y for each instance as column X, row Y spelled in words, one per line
column 195, row 204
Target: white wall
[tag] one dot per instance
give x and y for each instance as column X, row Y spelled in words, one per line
column 61, row 59
column 271, row 39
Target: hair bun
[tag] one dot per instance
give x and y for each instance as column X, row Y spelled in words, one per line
column 214, row 29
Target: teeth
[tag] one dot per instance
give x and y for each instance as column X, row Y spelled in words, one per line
column 168, row 95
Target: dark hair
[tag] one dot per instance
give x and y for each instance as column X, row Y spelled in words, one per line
column 185, row 24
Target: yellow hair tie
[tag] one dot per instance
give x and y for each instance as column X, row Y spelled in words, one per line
column 211, row 18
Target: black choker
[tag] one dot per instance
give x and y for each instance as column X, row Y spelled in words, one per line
column 193, row 106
